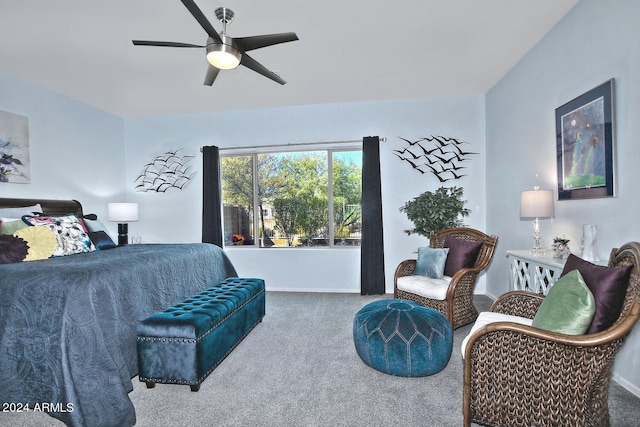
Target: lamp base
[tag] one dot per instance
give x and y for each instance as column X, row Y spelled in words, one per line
column 123, row 230
column 537, row 247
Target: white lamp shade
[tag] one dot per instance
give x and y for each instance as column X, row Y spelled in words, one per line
column 536, row 204
column 123, row 212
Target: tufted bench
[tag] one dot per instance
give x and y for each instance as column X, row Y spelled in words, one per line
column 185, row 342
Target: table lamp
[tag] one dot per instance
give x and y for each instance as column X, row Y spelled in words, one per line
column 123, row 213
column 536, row 204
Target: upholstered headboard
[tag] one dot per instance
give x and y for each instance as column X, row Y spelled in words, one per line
column 49, row 207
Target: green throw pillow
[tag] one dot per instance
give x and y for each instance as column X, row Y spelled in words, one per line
column 568, row 308
column 10, row 227
column 431, row 262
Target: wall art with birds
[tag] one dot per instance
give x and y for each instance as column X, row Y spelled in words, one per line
column 438, row 155
column 165, row 171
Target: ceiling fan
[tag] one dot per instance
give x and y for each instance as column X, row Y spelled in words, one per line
column 224, row 52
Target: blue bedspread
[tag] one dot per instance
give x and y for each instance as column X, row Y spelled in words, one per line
column 68, row 324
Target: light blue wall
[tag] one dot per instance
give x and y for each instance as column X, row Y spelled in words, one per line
column 76, row 151
column 596, row 41
column 175, row 216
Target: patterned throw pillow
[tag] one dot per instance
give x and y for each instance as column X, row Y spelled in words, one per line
column 70, row 233
column 41, row 242
column 12, row 249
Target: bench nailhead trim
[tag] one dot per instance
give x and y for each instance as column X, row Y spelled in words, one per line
column 192, row 340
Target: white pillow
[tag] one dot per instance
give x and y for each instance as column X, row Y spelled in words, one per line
column 19, row 212
column 487, row 317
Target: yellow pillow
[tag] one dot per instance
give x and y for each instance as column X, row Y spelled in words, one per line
column 41, row 240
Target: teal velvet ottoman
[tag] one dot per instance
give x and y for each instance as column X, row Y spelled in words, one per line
column 402, row 338
column 185, row 342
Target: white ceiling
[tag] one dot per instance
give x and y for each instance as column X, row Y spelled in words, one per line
column 354, row 50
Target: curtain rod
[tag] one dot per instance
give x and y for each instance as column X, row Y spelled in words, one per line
column 299, row 144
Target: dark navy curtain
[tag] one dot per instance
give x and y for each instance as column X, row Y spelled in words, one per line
column 372, row 250
column 211, row 196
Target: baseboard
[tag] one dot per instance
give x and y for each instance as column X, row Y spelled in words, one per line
column 314, row 290
column 626, row 385
column 487, row 294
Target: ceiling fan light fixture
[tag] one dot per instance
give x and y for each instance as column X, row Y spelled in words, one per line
column 224, row 52
column 223, row 56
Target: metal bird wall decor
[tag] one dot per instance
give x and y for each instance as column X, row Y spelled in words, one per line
column 168, row 170
column 440, row 155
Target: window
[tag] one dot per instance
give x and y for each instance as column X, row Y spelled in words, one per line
column 292, row 199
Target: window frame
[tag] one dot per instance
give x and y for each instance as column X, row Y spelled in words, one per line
column 254, row 153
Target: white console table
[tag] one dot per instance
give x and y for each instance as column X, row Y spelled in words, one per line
column 534, row 272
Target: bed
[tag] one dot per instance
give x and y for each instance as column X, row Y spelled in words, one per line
column 68, row 323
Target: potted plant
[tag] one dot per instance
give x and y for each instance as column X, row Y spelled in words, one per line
column 436, row 211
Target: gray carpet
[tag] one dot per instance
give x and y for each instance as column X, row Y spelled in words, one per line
column 299, row 368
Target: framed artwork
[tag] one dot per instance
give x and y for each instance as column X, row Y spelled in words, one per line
column 14, row 148
column 584, row 141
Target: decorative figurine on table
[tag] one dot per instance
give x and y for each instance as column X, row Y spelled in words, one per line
column 588, row 245
column 561, row 248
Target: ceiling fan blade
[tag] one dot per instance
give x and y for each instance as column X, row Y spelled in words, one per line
column 212, row 73
column 164, row 44
column 202, row 20
column 251, row 63
column 256, row 42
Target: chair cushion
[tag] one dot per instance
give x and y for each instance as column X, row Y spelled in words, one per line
column 568, row 308
column 427, row 287
column 608, row 285
column 431, row 262
column 487, row 317
column 462, row 254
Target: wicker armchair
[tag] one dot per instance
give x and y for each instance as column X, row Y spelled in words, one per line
column 517, row 375
column 458, row 305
